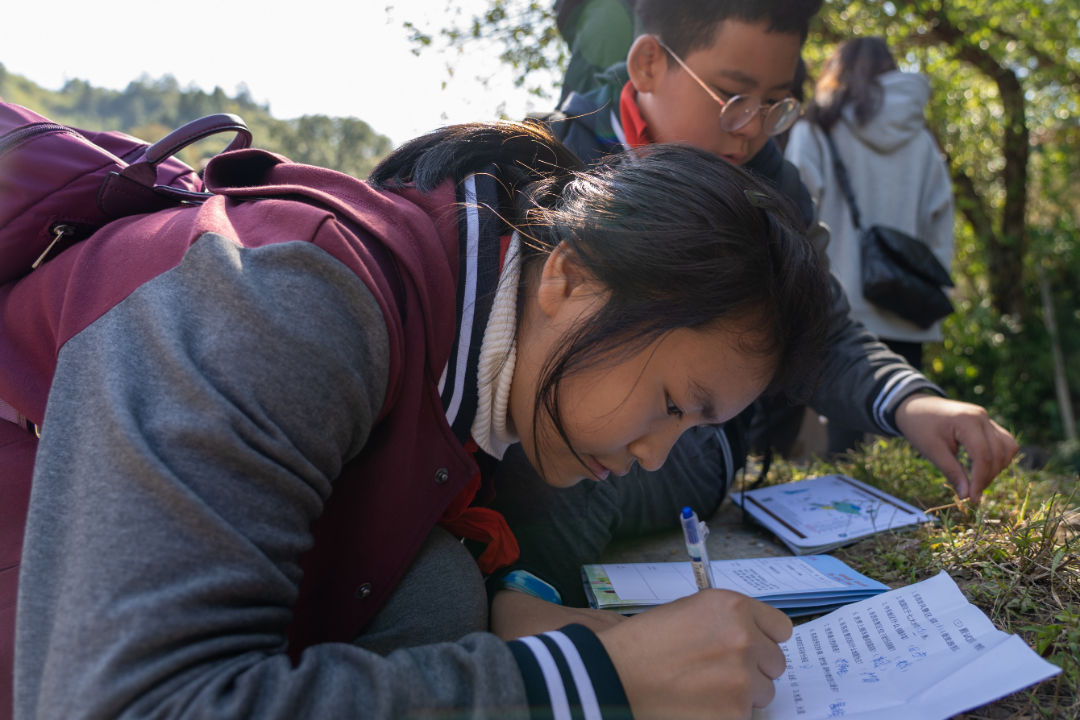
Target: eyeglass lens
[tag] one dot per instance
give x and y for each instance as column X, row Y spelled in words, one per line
column 741, row 109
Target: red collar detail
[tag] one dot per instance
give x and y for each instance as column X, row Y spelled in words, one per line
column 482, row 524
column 633, row 124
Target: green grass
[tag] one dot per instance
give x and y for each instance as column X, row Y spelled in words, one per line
column 1016, row 557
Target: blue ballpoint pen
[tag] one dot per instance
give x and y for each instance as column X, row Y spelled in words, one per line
column 694, row 532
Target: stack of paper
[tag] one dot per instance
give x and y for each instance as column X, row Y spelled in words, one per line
column 821, row 513
column 921, row 651
column 796, row 585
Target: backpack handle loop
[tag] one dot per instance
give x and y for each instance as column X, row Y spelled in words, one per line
column 135, row 190
column 196, row 130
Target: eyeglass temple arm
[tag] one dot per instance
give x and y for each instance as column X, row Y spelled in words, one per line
column 691, row 73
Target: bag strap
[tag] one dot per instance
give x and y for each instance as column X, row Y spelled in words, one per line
column 843, row 179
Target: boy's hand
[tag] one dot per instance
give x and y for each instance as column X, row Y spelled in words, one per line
column 713, row 654
column 937, row 427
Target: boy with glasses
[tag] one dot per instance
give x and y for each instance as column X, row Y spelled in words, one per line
column 718, row 74
column 696, row 74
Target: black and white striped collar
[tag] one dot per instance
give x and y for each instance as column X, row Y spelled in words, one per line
column 479, row 263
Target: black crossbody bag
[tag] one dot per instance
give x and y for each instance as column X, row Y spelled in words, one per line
column 899, row 272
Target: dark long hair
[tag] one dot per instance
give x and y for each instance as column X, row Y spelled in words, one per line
column 850, row 77
column 679, row 237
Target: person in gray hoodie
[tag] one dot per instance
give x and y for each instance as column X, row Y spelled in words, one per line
column 874, row 114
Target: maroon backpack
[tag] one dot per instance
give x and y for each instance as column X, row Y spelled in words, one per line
column 59, row 184
column 262, row 198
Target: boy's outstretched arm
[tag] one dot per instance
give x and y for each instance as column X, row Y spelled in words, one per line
column 938, row 427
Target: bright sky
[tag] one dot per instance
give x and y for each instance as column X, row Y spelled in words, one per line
column 332, row 57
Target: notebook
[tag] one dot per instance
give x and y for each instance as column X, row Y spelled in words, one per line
column 798, row 586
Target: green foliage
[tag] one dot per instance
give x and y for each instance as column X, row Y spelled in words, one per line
column 1016, row 556
column 1004, row 362
column 149, row 109
column 1018, row 205
column 519, row 33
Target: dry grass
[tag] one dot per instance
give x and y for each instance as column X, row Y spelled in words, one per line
column 1016, row 557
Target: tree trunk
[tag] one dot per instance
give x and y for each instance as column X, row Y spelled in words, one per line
column 1061, row 382
column 1007, row 248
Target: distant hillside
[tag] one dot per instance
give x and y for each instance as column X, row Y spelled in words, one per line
column 150, row 108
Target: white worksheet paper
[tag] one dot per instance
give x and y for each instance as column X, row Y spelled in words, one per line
column 920, row 651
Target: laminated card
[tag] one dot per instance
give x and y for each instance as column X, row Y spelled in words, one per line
column 818, row 514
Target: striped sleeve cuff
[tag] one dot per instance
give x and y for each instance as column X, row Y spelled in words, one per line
column 898, row 386
column 568, row 674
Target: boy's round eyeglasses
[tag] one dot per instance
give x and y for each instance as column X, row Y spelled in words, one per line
column 738, row 110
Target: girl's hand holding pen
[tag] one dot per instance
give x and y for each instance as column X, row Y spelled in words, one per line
column 713, row 654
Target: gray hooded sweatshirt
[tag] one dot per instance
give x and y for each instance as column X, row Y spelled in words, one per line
column 899, row 179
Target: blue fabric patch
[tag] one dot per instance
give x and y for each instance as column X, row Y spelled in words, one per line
column 524, row 581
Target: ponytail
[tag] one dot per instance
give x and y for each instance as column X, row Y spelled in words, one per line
column 518, row 154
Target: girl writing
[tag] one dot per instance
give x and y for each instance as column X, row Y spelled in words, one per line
column 270, row 426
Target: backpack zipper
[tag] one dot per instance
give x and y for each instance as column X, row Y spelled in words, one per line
column 58, row 231
column 24, row 133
